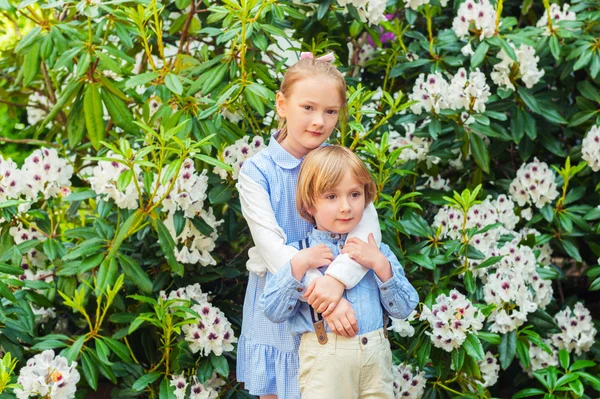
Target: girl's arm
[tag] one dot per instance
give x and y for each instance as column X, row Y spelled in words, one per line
column 398, row 297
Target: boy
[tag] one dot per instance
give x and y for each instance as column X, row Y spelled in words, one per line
column 333, row 189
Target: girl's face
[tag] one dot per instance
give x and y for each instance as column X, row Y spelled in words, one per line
column 311, row 111
column 340, row 209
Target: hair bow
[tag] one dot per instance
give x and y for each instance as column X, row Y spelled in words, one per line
column 329, row 57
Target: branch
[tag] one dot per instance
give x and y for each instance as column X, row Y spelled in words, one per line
column 186, row 26
column 28, row 141
column 61, row 115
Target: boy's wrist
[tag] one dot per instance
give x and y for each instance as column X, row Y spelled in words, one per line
column 381, row 265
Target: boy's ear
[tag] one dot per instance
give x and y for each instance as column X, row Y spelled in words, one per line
column 280, row 103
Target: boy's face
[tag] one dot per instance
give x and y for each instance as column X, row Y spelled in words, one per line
column 311, row 112
column 340, row 209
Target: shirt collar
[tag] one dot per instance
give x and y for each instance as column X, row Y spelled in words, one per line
column 326, row 236
column 280, row 156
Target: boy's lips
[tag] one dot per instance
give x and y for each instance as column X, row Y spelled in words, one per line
column 345, row 220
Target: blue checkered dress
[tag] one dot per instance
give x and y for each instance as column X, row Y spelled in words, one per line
column 267, row 358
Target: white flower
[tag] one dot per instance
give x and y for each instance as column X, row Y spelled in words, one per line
column 104, row 182
column 46, row 173
column 479, row 16
column 371, row 11
column 10, row 180
column 468, row 91
column 415, row 4
column 534, row 184
column 37, row 108
column 431, row 92
column 402, row 326
column 416, row 147
column 527, row 68
column 236, row 154
column 436, row 183
column 539, row 358
column 187, row 193
column 577, row 327
column 408, row 384
column 590, row 148
column 180, row 384
column 467, row 50
column 451, row 318
column 48, row 376
column 42, row 315
column 556, row 15
column 490, row 369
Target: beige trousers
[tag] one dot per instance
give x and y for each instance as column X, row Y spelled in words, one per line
column 346, row 368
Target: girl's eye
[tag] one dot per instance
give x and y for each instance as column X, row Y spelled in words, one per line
column 356, row 194
column 307, row 107
column 332, row 112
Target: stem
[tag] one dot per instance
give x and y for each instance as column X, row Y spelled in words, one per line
column 28, row 141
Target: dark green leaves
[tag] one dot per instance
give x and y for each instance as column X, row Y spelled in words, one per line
column 507, row 349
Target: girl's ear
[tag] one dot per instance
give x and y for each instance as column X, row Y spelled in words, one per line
column 280, row 103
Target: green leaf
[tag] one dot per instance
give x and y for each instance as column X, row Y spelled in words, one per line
column 31, row 64
column 89, row 371
column 508, row 50
column 167, row 244
column 492, row 338
column 565, row 379
column 205, row 370
column 220, row 365
column 140, row 80
column 220, row 194
column 166, row 390
column 528, row 392
column 80, row 196
column 8, row 269
column 555, row 47
column 141, row 383
column 583, row 60
column 173, row 83
column 480, row 152
column 529, row 100
column 473, row 347
column 103, row 352
column 135, row 273
column 422, row 260
column 479, row 55
column 571, row 249
column 92, row 109
column 118, row 348
column 588, row 90
column 547, row 212
column 564, row 358
column 581, row 364
column 523, row 353
column 490, row 261
column 423, row 353
column 507, row 349
column 72, row 353
column 543, row 321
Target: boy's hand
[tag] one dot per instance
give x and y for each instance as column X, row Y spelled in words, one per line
column 368, row 255
column 343, row 320
column 324, row 293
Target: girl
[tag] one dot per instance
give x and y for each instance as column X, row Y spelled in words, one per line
column 311, row 97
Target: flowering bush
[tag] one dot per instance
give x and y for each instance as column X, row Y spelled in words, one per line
column 124, row 126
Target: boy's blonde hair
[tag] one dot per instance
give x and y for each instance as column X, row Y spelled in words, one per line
column 309, row 68
column 322, row 170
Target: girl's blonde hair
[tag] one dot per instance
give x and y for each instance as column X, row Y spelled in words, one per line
column 322, row 170
column 309, row 68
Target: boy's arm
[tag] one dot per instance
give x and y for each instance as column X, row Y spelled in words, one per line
column 398, row 297
column 280, row 299
column 347, row 270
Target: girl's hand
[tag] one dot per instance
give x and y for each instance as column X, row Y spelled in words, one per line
column 343, row 320
column 310, row 258
column 324, row 293
column 368, row 255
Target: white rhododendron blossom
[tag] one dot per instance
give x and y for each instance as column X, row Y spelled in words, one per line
column 42, row 315
column 577, row 327
column 539, row 358
column 37, row 107
column 556, row 15
column 415, row 4
column 47, row 376
column 590, row 149
column 468, row 91
column 408, row 384
column 236, row 154
column 490, row 369
column 451, row 319
column 45, row 172
column 209, row 390
column 545, row 256
column 430, row 92
column 505, row 72
column 33, row 259
column 436, row 183
column 534, row 184
column 195, row 246
column 416, row 147
column 371, row 11
column 402, row 326
column 10, row 180
column 475, row 16
column 212, row 332
column 188, row 192
column 104, row 182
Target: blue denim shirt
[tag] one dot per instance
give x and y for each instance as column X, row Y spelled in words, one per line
column 281, row 302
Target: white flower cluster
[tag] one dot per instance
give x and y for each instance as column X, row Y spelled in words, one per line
column 490, row 369
column 188, row 192
column 556, row 15
column 10, row 180
column 577, row 327
column 45, row 172
column 539, row 358
column 37, row 108
column 465, row 91
column 212, row 332
column 408, row 384
column 436, row 183
column 209, row 390
column 371, row 11
column 33, row 262
column 235, row 154
column 451, row 318
column 545, row 256
column 47, row 376
column 402, row 326
column 534, row 184
column 104, row 182
column 505, row 72
column 478, row 17
column 416, row 149
column 415, row 4
column 590, row 149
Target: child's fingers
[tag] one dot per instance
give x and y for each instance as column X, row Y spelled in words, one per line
column 309, row 289
column 339, row 329
column 372, row 239
column 329, row 309
column 348, row 328
column 323, row 306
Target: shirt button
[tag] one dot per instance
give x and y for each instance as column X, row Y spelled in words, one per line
column 332, row 235
column 341, row 246
column 391, row 303
column 365, row 340
column 289, row 308
column 384, row 288
column 299, row 289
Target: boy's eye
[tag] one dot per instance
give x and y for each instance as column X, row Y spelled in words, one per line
column 330, row 196
column 356, row 194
